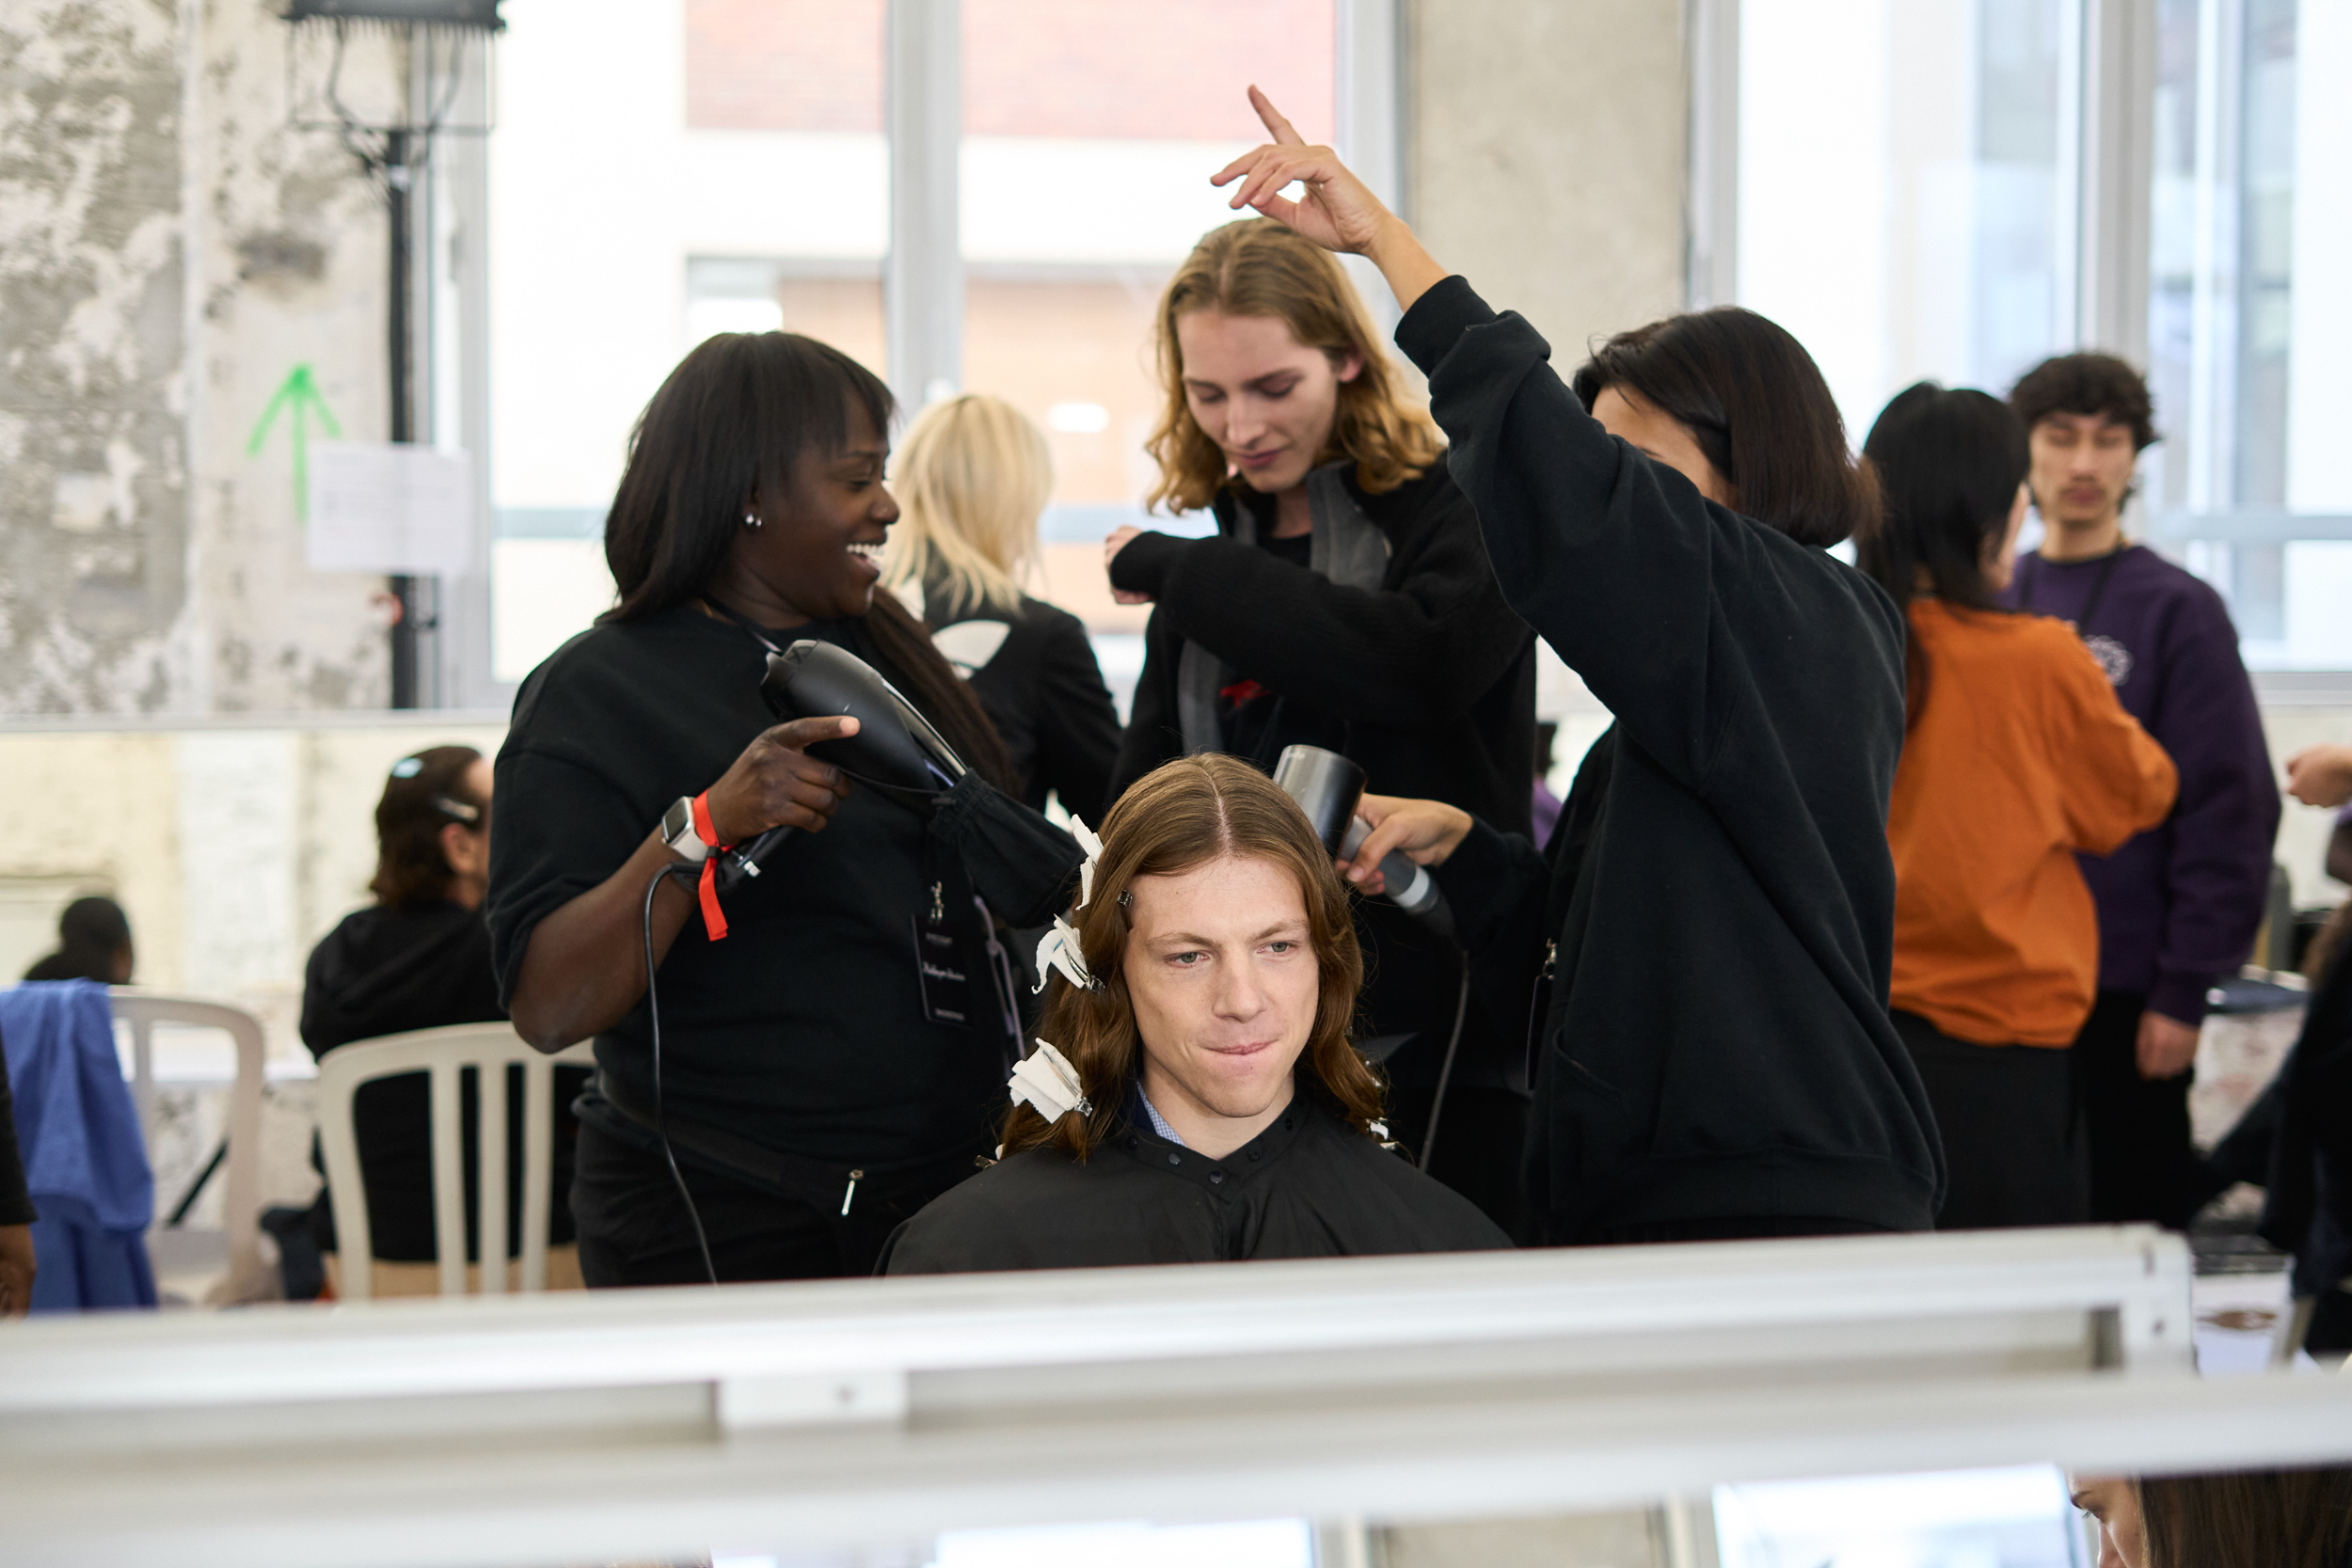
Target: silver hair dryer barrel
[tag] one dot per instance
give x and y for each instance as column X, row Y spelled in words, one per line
column 1327, row 787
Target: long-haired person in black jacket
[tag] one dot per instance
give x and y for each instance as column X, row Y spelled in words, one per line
column 1717, row 918
column 817, row 1079
column 973, row 475
column 1347, row 603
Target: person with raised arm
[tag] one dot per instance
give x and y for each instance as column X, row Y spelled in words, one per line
column 1717, row 913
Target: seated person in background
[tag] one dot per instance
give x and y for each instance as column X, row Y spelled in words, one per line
column 93, row 943
column 972, row 479
column 2245, row 1519
column 2017, row 756
column 419, row 958
column 1205, row 1103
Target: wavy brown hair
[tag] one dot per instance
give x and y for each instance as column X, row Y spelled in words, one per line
column 1183, row 814
column 1256, row 267
column 2250, row 1519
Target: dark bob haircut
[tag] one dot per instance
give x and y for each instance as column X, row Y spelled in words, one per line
column 1947, row 464
column 2095, row 384
column 426, row 792
column 732, row 420
column 1755, row 404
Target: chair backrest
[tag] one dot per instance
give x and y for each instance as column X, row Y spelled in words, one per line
column 241, row 1187
column 444, row 1054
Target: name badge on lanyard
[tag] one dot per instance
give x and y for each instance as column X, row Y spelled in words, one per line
column 939, row 965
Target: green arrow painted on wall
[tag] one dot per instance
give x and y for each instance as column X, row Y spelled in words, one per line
column 299, row 395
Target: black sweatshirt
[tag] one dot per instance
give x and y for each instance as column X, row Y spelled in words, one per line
column 1043, row 690
column 385, row 972
column 803, row 1031
column 1427, row 682
column 1309, row 1186
column 1717, row 1044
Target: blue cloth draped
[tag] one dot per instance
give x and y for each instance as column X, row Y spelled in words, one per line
column 85, row 1154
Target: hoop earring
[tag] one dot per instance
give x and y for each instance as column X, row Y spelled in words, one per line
column 751, row 520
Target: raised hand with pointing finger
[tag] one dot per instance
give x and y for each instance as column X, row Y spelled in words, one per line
column 1340, row 212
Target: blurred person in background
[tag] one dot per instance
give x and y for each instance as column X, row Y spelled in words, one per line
column 1717, row 908
column 1345, row 602
column 2178, row 905
column 2017, row 756
column 93, row 943
column 973, row 473
column 418, row 957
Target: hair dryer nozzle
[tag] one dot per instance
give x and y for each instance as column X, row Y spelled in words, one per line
column 1327, row 786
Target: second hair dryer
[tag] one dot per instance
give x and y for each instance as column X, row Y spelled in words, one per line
column 1327, row 787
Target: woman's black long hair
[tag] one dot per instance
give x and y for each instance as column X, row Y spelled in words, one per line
column 1758, row 409
column 737, row 416
column 1949, row 463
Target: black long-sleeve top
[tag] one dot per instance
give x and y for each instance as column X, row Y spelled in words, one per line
column 1043, row 690
column 1717, row 1044
column 1427, row 682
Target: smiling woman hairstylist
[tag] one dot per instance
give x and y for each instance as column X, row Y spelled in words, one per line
column 1717, row 1060
column 816, row 1089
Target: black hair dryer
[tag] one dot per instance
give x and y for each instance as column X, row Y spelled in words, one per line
column 1327, row 787
column 894, row 751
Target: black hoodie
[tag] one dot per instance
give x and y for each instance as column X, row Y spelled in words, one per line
column 385, row 972
column 1717, row 1047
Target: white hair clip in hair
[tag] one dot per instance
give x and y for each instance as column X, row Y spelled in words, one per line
column 1059, row 949
column 1093, row 846
column 1045, row 1079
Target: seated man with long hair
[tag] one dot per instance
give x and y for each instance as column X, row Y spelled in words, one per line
column 1201, row 1101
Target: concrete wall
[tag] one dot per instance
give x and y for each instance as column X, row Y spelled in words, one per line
column 1546, row 157
column 1546, row 161
column 168, row 250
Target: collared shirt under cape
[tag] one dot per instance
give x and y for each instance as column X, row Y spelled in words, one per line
column 1309, row 1186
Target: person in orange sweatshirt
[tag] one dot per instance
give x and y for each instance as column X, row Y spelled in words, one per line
column 2017, row 756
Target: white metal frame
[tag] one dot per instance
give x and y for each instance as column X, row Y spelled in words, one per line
column 241, row 1175
column 444, row 1054
column 653, row 1424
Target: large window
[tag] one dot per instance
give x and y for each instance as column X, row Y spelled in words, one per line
column 1905, row 205
column 665, row 169
column 2250, row 212
column 1954, row 188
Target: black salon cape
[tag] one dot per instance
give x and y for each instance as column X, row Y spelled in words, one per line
column 1309, row 1186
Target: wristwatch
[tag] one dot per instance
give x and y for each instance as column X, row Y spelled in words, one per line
column 678, row 831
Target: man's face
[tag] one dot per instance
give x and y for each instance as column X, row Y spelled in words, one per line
column 2082, row 468
column 1225, row 982
column 1269, row 400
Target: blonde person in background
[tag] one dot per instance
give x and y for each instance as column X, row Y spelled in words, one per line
column 974, row 475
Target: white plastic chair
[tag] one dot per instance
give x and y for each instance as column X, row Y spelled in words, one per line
column 241, row 1190
column 444, row 1054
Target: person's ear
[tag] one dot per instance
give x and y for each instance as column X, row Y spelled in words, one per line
column 458, row 849
column 1348, row 366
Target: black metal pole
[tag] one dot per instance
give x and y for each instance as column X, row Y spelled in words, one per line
column 399, row 190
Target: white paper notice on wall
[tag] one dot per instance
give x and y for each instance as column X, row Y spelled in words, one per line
column 380, row 506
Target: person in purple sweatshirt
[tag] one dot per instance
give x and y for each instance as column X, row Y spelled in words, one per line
column 2178, row 906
